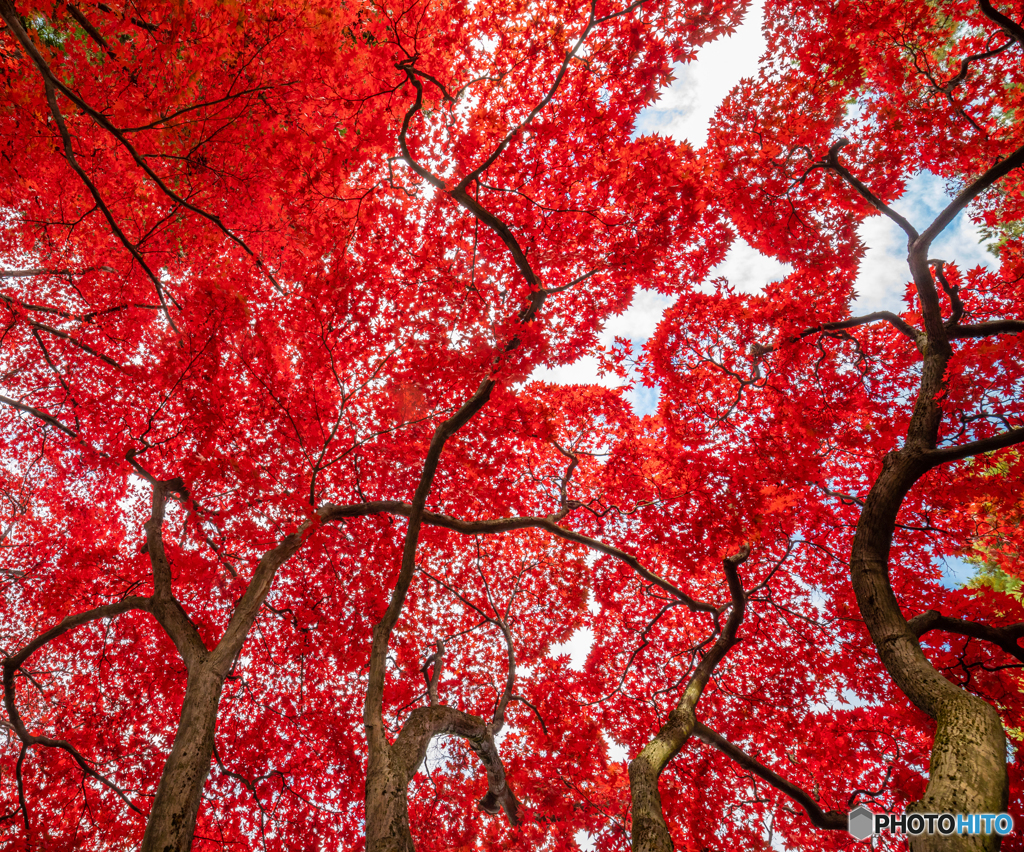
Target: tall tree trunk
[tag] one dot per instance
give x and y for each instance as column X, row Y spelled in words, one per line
column 649, row 831
column 967, row 772
column 172, row 821
column 387, row 804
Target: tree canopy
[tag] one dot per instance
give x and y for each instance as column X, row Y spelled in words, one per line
column 291, row 537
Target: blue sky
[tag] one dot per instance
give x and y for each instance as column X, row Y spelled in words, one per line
column 684, row 112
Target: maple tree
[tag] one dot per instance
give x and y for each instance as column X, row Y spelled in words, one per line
column 292, row 541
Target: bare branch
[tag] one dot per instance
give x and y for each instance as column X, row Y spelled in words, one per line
column 987, row 329
column 894, row 320
column 94, row 34
column 1009, row 26
column 648, row 819
column 14, row 662
column 40, row 415
column 498, row 525
column 552, row 89
column 165, row 607
column 965, row 67
column 942, row 455
column 953, row 293
column 922, row 243
column 437, row 661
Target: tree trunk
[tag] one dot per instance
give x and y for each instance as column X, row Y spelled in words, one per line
column 967, row 772
column 172, row 821
column 387, row 804
column 649, row 831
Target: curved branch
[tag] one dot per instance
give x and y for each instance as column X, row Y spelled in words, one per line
column 1006, row 638
column 828, row 820
column 831, row 162
column 895, row 320
column 952, row 293
column 424, row 723
column 165, row 607
column 374, row 705
column 515, row 131
column 1008, row 26
column 965, row 67
column 14, row 662
column 727, row 638
column 499, row 525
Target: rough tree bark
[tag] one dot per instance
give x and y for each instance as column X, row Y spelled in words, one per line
column 967, row 771
column 649, row 830
column 391, row 766
column 172, row 821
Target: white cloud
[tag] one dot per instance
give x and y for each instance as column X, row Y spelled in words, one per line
column 636, row 324
column 685, row 109
column 749, row 271
column 577, row 647
column 883, row 275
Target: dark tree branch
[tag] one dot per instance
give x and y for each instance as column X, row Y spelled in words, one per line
column 829, row 820
column 649, row 829
column 93, row 33
column 12, row 663
column 382, row 631
column 942, row 455
column 69, row 154
column 987, row 329
column 19, row 772
column 1008, row 25
column 425, row 723
column 922, row 243
column 499, row 525
column 894, row 320
column 39, row 415
column 831, row 162
column 1006, row 638
column 965, row 67
column 9, row 15
column 434, row 677
column 165, row 607
column 85, row 347
column 552, row 90
column 953, row 293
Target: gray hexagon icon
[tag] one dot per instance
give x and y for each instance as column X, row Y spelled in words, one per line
column 861, row 823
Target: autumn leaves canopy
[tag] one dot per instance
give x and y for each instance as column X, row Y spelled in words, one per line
column 292, row 538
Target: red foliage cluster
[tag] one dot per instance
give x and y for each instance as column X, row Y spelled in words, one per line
column 291, row 542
